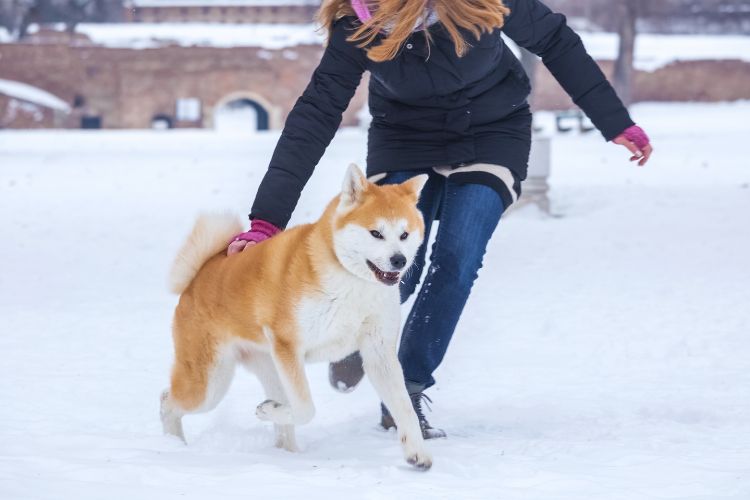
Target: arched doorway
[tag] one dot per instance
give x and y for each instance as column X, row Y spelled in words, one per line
column 162, row 122
column 242, row 112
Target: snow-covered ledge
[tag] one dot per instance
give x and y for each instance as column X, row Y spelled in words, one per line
column 536, row 186
column 34, row 95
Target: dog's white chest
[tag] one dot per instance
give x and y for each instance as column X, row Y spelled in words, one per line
column 331, row 320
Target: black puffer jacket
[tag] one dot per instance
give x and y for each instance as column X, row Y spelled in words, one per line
column 431, row 108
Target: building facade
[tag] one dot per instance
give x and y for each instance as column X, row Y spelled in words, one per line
column 222, row 11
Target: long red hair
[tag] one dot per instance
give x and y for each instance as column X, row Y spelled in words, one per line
column 399, row 17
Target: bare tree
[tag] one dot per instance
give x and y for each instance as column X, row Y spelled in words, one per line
column 665, row 16
column 17, row 15
column 76, row 11
column 627, row 12
column 628, row 17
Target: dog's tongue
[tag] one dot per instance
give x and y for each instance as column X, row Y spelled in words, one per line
column 390, row 278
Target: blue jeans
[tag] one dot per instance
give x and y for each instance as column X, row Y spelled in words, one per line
column 468, row 216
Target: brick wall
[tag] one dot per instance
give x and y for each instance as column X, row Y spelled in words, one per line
column 295, row 14
column 707, row 81
column 20, row 114
column 127, row 88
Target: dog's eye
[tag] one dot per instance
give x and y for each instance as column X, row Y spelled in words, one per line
column 404, row 236
column 376, row 234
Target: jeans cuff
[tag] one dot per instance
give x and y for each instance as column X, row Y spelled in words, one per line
column 414, row 387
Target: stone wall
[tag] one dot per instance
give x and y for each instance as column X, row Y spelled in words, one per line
column 128, row 88
column 20, row 114
column 703, row 81
column 208, row 13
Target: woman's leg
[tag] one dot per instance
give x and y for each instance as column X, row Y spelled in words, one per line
column 469, row 214
column 345, row 374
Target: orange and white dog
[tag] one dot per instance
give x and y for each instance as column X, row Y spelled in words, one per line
column 316, row 292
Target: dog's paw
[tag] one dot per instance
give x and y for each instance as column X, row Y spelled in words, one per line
column 416, row 453
column 273, row 411
column 267, row 409
column 421, row 461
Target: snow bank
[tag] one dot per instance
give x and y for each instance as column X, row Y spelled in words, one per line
column 655, row 51
column 652, row 51
column 35, row 95
column 202, row 3
column 146, row 35
column 603, row 353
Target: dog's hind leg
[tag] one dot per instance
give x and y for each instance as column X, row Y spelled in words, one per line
column 290, row 368
column 201, row 375
column 171, row 416
column 262, row 366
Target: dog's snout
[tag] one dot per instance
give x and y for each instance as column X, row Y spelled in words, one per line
column 398, row 261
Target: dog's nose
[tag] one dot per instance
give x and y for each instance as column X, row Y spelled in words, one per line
column 398, row 261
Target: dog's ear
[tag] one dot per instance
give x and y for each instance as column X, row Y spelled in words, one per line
column 355, row 184
column 415, row 185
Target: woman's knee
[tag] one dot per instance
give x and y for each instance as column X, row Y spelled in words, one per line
column 410, row 280
column 468, row 221
column 460, row 262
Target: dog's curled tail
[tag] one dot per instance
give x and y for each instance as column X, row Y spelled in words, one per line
column 210, row 235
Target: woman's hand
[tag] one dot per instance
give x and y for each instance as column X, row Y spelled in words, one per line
column 637, row 142
column 260, row 230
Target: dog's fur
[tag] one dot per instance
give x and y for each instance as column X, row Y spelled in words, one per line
column 307, row 294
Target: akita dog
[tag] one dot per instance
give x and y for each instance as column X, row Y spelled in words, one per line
column 316, row 292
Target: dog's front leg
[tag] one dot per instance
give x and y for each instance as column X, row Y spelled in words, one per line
column 290, row 367
column 380, row 361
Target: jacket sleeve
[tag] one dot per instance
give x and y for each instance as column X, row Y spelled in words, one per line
column 310, row 127
column 532, row 25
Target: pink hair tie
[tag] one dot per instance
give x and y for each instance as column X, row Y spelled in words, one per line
column 361, row 9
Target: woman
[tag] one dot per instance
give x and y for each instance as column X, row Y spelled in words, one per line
column 449, row 99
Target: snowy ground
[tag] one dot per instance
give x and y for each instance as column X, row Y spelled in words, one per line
column 604, row 353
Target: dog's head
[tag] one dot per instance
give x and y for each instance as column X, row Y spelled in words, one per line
column 378, row 229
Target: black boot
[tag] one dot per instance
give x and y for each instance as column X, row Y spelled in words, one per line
column 428, row 431
column 344, row 375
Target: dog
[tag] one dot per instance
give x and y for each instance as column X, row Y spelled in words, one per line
column 316, row 292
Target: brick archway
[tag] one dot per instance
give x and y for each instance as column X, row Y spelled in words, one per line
column 269, row 116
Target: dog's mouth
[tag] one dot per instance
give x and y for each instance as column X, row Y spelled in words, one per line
column 387, row 278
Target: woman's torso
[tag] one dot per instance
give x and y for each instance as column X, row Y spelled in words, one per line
column 426, row 79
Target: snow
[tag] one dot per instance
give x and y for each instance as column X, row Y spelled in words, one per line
column 236, row 116
column 652, row 51
column 603, row 354
column 655, row 51
column 35, row 95
column 148, row 35
column 203, row 3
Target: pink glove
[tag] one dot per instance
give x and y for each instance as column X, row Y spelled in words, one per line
column 635, row 139
column 260, row 230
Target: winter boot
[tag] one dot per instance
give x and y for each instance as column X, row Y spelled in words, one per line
column 344, row 375
column 428, row 431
